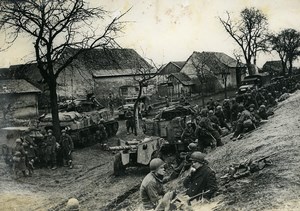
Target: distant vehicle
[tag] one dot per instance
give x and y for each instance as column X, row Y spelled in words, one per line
column 146, row 106
column 136, row 153
column 250, row 82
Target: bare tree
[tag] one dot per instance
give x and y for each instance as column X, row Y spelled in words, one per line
column 249, row 33
column 143, row 73
column 287, row 44
column 203, row 72
column 55, row 26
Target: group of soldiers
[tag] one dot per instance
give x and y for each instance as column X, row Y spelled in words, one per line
column 48, row 152
column 237, row 115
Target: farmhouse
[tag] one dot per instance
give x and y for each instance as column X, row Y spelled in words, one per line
column 19, row 99
column 216, row 69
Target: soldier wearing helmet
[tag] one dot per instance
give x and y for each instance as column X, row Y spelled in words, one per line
column 19, row 158
column 188, row 135
column 151, row 190
column 206, row 133
column 67, row 147
column 221, row 117
column 50, row 151
column 201, row 179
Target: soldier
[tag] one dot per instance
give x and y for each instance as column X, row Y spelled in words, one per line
column 245, row 121
column 129, row 121
column 220, row 115
column 30, row 156
column 262, row 112
column 201, row 179
column 188, row 135
column 101, row 132
column 19, row 158
column 206, row 129
column 227, row 110
column 234, row 110
column 67, row 147
column 214, row 121
column 50, row 151
column 151, row 190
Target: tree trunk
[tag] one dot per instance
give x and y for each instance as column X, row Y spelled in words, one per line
column 291, row 66
column 249, row 67
column 135, row 113
column 202, row 96
column 225, row 86
column 54, row 108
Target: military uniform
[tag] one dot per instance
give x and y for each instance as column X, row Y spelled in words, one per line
column 50, row 151
column 67, row 146
column 202, row 180
column 151, row 191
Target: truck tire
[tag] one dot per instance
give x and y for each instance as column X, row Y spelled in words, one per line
column 119, row 169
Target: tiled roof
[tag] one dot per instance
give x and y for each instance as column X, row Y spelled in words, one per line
column 16, row 86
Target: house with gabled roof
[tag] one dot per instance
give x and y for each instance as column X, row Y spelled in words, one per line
column 101, row 71
column 274, row 68
column 215, row 67
column 19, row 99
column 163, row 74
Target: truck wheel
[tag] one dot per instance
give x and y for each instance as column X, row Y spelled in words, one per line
column 119, row 169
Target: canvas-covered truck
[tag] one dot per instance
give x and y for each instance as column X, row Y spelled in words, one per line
column 135, row 153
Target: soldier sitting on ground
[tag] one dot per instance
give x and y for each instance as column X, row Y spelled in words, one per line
column 188, row 135
column 244, row 123
column 201, row 180
column 151, row 190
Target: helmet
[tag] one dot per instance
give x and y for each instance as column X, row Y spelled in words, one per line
column 49, row 131
column 262, row 106
column 156, row 163
column 192, row 146
column 189, row 122
column 63, row 131
column 18, row 154
column 219, row 107
column 72, row 204
column 210, row 111
column 204, row 112
column 102, row 120
column 252, row 106
column 18, row 140
column 198, row 156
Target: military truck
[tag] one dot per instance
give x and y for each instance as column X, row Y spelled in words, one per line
column 81, row 119
column 135, row 153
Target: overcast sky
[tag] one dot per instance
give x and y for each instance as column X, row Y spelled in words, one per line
column 170, row 30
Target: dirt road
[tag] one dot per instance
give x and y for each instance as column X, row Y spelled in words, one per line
column 276, row 187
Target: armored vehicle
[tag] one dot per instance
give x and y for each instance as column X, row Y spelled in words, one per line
column 136, row 153
column 169, row 124
column 82, row 119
